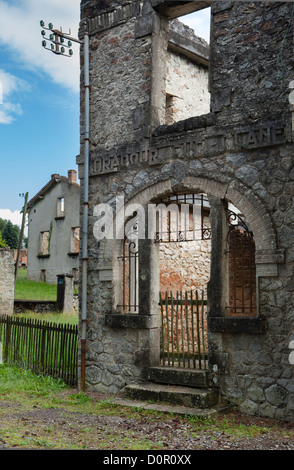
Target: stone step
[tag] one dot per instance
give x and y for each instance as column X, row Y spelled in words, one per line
column 173, row 394
column 180, row 410
column 177, row 376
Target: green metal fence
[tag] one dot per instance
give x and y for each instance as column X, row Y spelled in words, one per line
column 44, row 347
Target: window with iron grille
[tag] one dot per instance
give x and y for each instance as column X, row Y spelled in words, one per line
column 183, row 217
column 241, row 265
column 130, row 271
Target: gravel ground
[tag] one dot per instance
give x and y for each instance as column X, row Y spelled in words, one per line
column 112, row 432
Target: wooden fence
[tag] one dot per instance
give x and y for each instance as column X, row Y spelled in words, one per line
column 184, row 330
column 44, row 347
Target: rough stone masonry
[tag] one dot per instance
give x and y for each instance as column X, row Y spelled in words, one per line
column 240, row 152
column 6, row 281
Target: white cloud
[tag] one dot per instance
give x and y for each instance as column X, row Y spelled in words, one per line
column 10, row 87
column 200, row 22
column 20, row 31
column 15, row 217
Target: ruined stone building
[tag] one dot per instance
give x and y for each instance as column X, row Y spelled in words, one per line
column 53, row 229
column 172, row 122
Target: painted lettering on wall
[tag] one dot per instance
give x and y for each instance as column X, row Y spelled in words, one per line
column 204, row 143
column 113, row 163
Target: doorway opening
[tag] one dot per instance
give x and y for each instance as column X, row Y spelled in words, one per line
column 184, row 238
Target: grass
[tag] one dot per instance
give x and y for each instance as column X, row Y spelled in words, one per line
column 40, row 412
column 53, row 317
column 32, row 290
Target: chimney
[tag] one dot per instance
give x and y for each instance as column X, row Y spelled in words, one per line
column 72, row 176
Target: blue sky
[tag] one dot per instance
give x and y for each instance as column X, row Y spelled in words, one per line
column 39, row 98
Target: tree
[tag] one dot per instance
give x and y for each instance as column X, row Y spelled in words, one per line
column 11, row 235
column 3, row 243
column 2, row 224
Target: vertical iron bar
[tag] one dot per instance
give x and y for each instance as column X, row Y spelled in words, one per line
column 187, row 326
column 198, row 331
column 172, row 327
column 192, row 327
column 177, row 330
column 182, row 329
column 204, row 322
column 124, row 275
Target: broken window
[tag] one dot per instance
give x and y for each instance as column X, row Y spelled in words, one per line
column 44, row 243
column 187, row 62
column 60, row 207
column 75, row 240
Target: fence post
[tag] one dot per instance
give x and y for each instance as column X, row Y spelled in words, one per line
column 7, row 341
column 68, row 294
column 60, row 291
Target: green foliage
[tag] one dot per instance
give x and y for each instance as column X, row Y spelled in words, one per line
column 3, row 243
column 16, row 379
column 10, row 233
column 2, row 224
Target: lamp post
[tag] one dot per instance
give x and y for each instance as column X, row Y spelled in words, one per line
column 60, row 44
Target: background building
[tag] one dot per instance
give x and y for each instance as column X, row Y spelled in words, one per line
column 53, row 229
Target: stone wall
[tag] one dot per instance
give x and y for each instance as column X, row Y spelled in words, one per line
column 186, row 78
column 240, row 153
column 184, row 266
column 6, row 281
column 251, row 59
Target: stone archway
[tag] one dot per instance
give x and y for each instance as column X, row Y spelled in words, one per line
column 267, row 255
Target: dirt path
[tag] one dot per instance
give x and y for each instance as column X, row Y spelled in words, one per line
column 119, row 428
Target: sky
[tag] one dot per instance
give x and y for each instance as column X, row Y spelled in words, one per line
column 39, row 97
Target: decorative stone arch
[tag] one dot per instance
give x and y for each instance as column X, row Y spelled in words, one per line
column 268, row 256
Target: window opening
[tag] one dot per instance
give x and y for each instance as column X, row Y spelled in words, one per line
column 199, row 21
column 183, row 218
column 169, row 109
column 130, row 272
column 60, row 207
column 241, row 265
column 44, row 243
column 187, row 63
column 75, row 240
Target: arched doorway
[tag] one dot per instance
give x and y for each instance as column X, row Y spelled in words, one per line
column 148, row 309
column 184, row 236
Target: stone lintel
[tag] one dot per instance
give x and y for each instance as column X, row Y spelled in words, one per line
column 129, row 320
column 248, row 325
column 175, row 8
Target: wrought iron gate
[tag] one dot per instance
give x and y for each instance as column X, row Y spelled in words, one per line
column 184, row 330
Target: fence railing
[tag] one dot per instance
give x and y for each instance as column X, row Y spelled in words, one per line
column 44, row 347
column 184, row 330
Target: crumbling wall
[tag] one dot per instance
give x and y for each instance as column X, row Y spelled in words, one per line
column 241, row 152
column 6, row 281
